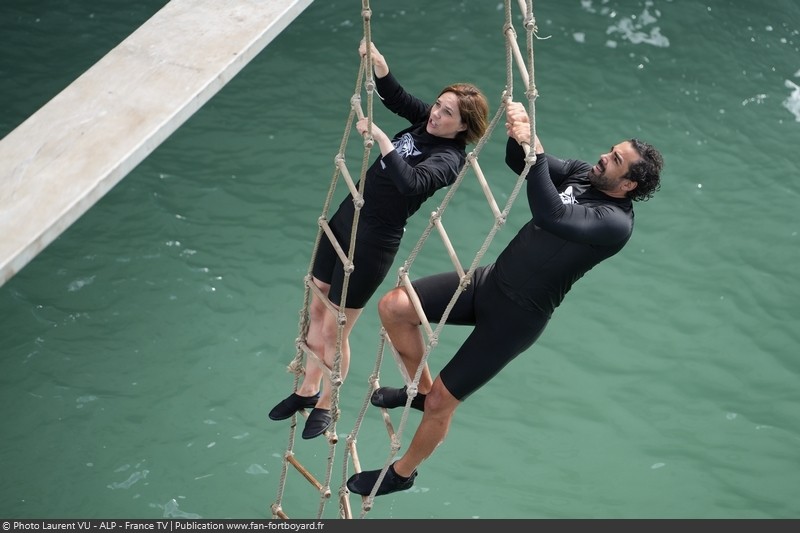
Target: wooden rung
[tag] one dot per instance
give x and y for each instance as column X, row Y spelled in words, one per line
column 417, row 305
column 511, row 37
column 354, row 455
column 340, row 164
column 449, row 245
column 388, row 421
column 322, row 298
column 348, row 266
column 486, row 190
column 277, row 511
column 344, row 504
column 310, row 353
column 332, row 437
column 357, row 470
column 305, row 473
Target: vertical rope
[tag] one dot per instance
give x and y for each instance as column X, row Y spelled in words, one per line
column 364, row 82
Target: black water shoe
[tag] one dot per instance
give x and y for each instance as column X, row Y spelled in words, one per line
column 317, row 422
column 390, row 397
column 392, row 482
column 291, row 405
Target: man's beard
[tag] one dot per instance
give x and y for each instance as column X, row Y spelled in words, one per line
column 600, row 181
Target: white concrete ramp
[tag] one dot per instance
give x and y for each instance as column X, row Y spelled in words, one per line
column 71, row 152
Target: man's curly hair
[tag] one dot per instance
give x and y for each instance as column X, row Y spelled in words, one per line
column 646, row 172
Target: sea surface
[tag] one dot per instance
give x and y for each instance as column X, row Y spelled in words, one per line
column 141, row 351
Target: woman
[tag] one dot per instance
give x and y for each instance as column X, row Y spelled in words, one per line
column 417, row 162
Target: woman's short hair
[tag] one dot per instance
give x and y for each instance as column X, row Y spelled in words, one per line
column 474, row 110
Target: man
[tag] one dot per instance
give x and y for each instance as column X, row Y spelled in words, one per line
column 582, row 214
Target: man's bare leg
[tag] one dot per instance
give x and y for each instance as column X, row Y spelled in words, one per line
column 402, row 324
column 440, row 406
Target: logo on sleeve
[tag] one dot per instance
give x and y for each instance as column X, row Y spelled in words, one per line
column 405, row 147
column 568, row 197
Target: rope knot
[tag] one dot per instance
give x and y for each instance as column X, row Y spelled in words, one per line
column 530, row 24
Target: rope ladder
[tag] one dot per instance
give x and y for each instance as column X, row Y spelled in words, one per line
column 365, row 84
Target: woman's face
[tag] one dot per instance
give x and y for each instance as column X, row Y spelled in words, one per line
column 445, row 119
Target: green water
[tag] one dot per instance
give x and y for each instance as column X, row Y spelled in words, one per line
column 141, row 351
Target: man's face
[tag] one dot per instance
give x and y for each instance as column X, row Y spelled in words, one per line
column 608, row 174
